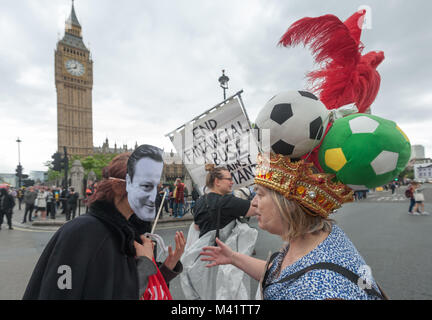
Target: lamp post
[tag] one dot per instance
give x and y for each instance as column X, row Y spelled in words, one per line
column 223, row 80
column 19, row 163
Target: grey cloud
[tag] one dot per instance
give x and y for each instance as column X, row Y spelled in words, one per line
column 156, row 63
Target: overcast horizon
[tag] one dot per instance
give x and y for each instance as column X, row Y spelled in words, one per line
column 157, row 64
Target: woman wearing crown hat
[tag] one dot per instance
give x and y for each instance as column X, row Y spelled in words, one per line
column 294, row 202
column 318, row 261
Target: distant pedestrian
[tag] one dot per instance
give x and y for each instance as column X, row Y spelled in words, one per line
column 178, row 198
column 393, row 187
column 57, row 198
column 29, row 201
column 419, row 201
column 158, row 201
column 171, row 200
column 195, row 194
column 51, row 204
column 89, row 192
column 167, row 199
column 7, row 202
column 195, row 197
column 41, row 202
column 409, row 193
column 63, row 200
column 72, row 203
column 20, row 196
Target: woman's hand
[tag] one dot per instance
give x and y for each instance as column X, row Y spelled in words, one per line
column 145, row 249
column 174, row 256
column 222, row 254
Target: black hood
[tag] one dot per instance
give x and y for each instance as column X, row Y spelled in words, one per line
column 117, row 223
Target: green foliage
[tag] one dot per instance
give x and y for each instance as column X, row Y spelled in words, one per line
column 94, row 163
column 408, row 172
column 54, row 175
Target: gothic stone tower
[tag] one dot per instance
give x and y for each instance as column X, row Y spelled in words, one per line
column 74, row 84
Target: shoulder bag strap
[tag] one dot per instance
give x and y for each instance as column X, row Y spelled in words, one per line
column 217, row 216
column 267, row 270
column 333, row 267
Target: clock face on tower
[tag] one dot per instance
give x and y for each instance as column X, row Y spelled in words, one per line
column 74, row 67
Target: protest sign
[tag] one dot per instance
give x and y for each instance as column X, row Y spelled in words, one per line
column 221, row 136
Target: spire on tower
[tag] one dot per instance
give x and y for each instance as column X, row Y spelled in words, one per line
column 73, row 20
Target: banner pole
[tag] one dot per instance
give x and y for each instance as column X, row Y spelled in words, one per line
column 157, row 217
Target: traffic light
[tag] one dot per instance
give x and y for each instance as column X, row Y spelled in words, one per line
column 19, row 170
column 57, row 161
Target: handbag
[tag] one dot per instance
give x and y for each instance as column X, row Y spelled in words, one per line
column 418, row 196
column 157, row 288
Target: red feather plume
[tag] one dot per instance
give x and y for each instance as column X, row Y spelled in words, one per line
column 345, row 76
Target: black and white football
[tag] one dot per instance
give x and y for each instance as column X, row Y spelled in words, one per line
column 296, row 121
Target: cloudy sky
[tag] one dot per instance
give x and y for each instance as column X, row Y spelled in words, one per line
column 156, row 65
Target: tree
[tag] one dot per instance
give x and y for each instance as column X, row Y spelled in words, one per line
column 95, row 162
column 408, row 172
column 54, row 175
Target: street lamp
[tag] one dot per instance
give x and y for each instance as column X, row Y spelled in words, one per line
column 19, row 168
column 223, row 80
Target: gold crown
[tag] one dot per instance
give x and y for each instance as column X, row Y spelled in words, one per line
column 315, row 192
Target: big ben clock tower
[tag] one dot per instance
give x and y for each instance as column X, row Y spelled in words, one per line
column 74, row 84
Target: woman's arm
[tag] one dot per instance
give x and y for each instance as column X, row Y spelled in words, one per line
column 222, row 254
column 174, row 256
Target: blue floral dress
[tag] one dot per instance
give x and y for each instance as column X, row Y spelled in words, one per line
column 321, row 283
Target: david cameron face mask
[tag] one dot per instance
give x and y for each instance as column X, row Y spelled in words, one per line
column 142, row 187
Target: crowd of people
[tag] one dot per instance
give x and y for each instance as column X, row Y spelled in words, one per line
column 177, row 201
column 122, row 208
column 39, row 202
column 43, row 202
column 114, row 243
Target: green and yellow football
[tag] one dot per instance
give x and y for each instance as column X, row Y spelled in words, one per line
column 364, row 151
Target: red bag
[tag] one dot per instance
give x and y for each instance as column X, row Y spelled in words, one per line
column 408, row 193
column 157, row 288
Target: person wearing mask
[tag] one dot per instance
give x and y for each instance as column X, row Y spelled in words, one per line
column 110, row 259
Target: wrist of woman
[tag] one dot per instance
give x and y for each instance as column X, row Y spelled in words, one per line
column 234, row 256
column 170, row 264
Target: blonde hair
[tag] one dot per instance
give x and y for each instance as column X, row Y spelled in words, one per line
column 298, row 223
